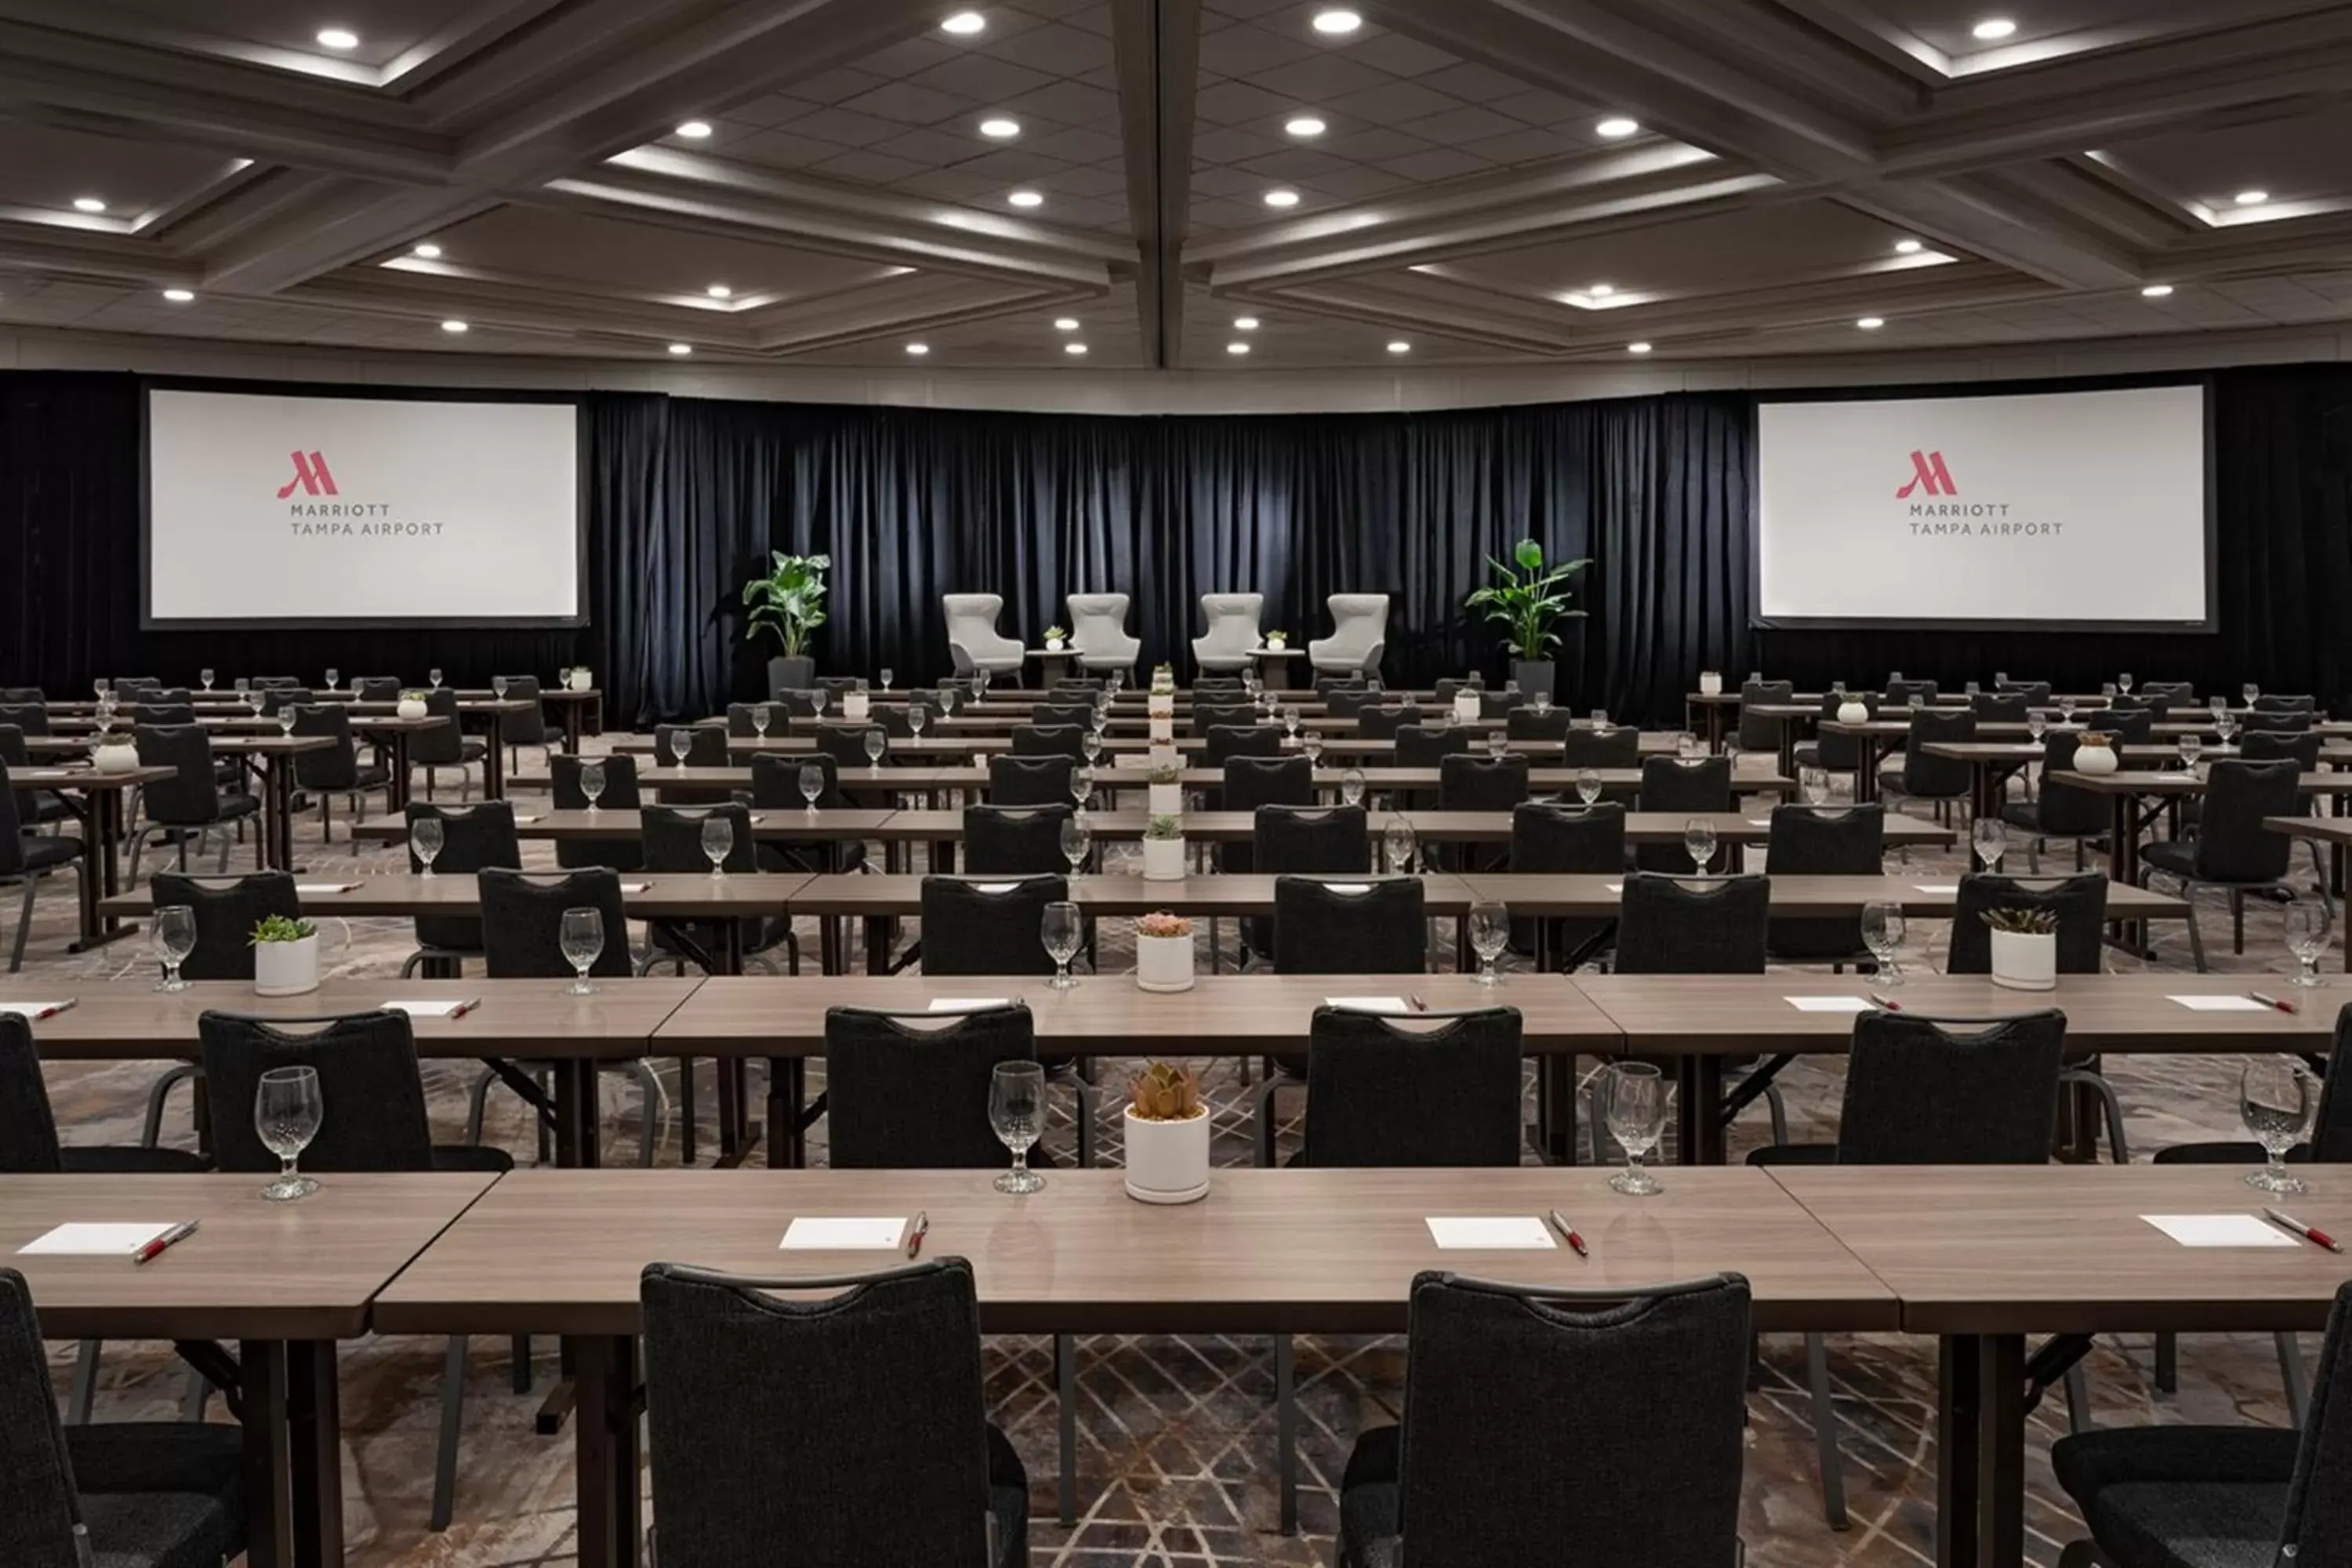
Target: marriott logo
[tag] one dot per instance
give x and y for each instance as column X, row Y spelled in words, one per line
column 312, row 479
column 1926, row 468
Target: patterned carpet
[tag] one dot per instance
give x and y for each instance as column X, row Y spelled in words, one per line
column 1176, row 1436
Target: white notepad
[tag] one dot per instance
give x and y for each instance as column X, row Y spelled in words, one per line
column 303, row 889
column 1938, row 888
column 810, row 1233
column 429, row 1008
column 96, row 1240
column 994, row 889
column 1830, row 1003
column 1517, row 1232
column 36, row 1009
column 2222, row 1003
column 1368, row 1003
column 2220, row 1230
column 637, row 887
column 521, row 817
column 968, row 1004
column 1614, row 886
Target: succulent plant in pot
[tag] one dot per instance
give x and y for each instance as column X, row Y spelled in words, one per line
column 2024, row 948
column 1167, row 1136
column 1165, row 784
column 1163, row 952
column 1163, row 848
column 1056, row 636
column 2095, row 753
column 285, row 956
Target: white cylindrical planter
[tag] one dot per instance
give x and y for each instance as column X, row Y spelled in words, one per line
column 410, row 708
column 2025, row 960
column 1053, row 644
column 1465, row 706
column 1853, row 713
column 118, row 755
column 1163, row 859
column 1168, row 1161
column 857, row 705
column 1166, row 800
column 1163, row 730
column 1161, row 755
column 2093, row 760
column 1710, row 683
column 581, row 681
column 285, row 968
column 1164, row 963
column 1159, row 705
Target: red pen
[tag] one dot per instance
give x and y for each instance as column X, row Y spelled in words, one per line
column 154, row 1249
column 52, row 1010
column 1567, row 1234
column 915, row 1238
column 2309, row 1233
column 2284, row 1006
column 467, row 1006
column 1891, row 1005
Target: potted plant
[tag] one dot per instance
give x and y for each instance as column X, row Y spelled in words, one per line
column 1163, row 681
column 2095, row 753
column 1167, row 1137
column 1055, row 637
column 285, row 957
column 1710, row 683
column 1528, row 600
column 114, row 751
column 2024, row 948
column 1164, row 784
column 411, row 705
column 789, row 605
column 1277, row 639
column 1853, row 709
column 579, row 680
column 1163, row 952
column 1162, row 751
column 1163, row 848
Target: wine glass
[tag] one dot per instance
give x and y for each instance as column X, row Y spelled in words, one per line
column 2307, row 937
column 1290, row 723
column 286, row 1109
column 1588, row 785
column 1401, row 846
column 1016, row 1108
column 207, row 677
column 1092, row 746
column 1991, row 839
column 2066, row 710
column 592, row 782
column 816, row 700
column 1490, row 934
column 812, row 783
column 718, row 842
column 101, row 685
column 2275, row 1097
column 1601, row 718
column 434, row 676
column 1312, row 744
column 874, row 748
column 1731, row 758
column 334, row 679
column 946, row 702
column 1061, row 929
column 1815, row 782
column 1351, row 787
column 1636, row 1117
column 1699, row 839
column 1837, row 688
column 2216, row 705
column 681, row 740
column 241, row 686
column 582, row 940
column 2249, row 691
column 2037, row 724
column 286, row 719
column 1497, row 743
column 498, row 687
column 2122, row 683
column 1686, row 745
column 2225, row 726
column 2191, row 748
column 918, row 715
column 1082, row 787
column 1914, row 701
column 426, row 835
column 1540, row 702
column 762, row 716
column 889, row 675
column 1076, row 843
column 255, row 701
column 1881, row 933
column 173, row 935
column 2108, row 689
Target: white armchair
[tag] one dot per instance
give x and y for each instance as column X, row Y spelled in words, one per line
column 1098, row 632
column 1233, row 633
column 973, row 641
column 1360, row 631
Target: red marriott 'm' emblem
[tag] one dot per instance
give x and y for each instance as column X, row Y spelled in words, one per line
column 312, row 476
column 1926, row 468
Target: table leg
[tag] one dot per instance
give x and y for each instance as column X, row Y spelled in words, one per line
column 269, row 1472
column 577, row 1143
column 314, row 1420
column 2001, row 1451
column 100, row 876
column 1556, row 1109
column 494, row 762
column 1698, row 1110
column 604, row 1437
column 1957, row 1423
column 1982, row 802
column 2123, row 863
column 278, row 813
column 573, row 713
column 398, row 802
column 1865, row 779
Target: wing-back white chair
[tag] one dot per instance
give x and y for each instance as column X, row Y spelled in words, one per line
column 1098, row 632
column 1232, row 634
column 973, row 640
column 1360, row 632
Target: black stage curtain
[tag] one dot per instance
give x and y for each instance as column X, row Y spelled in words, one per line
column 684, row 497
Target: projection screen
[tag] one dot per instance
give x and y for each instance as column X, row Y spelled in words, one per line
column 2040, row 509
column 269, row 509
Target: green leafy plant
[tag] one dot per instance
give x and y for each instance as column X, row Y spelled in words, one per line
column 2023, row 922
column 1529, row 598
column 789, row 602
column 1165, row 825
column 1276, row 639
column 1055, row 634
column 1164, row 773
column 281, row 928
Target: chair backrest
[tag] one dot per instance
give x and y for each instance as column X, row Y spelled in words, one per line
column 2331, row 1128
column 1359, row 632
column 1030, row 781
column 836, row 687
column 1547, row 835
column 1066, row 740
column 1310, row 839
column 1823, row 841
column 1900, row 692
column 1328, row 681
column 1015, row 840
column 22, row 694
column 673, row 837
column 473, row 838
column 740, row 725
column 1098, row 626
column 1939, row 1091
column 189, row 797
column 2007, row 707
column 1205, row 683
column 988, row 925
column 706, row 745
column 909, row 1091
column 525, row 726
column 1932, row 776
column 1525, row 1408
column 440, row 744
column 1324, row 925
column 42, row 1525
column 26, row 717
column 1253, row 782
column 273, row 698
column 336, row 766
column 1075, row 715
column 373, row 1097
column 375, row 689
column 1209, row 715
column 2164, row 694
column 2035, row 692
column 1383, row 1093
column 619, row 793
column 1685, row 783
column 2079, row 901
column 2124, row 726
column 1382, row 722
column 2318, row 1523
column 1841, row 752
column 846, row 744
column 1759, row 732
column 1221, row 742
column 1424, row 746
column 1342, row 702
column 1481, row 784
column 2232, row 844
column 776, row 781
column 1617, row 747
column 227, row 910
column 2270, row 745
column 2268, row 703
column 1501, row 704
column 1526, row 723
column 1668, row 925
column 11, row 842
column 28, row 1125
column 2064, row 808
column 1231, row 626
column 523, row 922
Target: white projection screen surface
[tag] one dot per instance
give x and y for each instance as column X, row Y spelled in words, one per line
column 287, row 510
column 2042, row 510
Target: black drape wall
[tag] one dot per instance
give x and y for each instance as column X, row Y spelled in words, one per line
column 684, row 497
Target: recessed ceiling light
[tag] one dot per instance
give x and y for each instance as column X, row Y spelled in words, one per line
column 2155, row 292
column 1026, row 199
column 681, row 348
column 1065, row 323
column 1238, row 348
column 454, row 326
column 1282, row 198
column 719, row 292
column 1617, row 127
column 1244, row 323
column 1073, row 348
column 1601, row 290
column 1336, row 24
column 338, row 38
column 999, row 128
column 88, row 205
column 1400, row 347
column 694, row 130
column 1993, row 29
column 1871, row 323
column 964, row 24
column 179, row 296
column 1637, row 348
column 918, row 350
column 2243, row 198
column 1305, row 125
column 1907, row 248
column 428, row 251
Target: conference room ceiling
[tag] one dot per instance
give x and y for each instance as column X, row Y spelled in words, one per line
column 1470, row 191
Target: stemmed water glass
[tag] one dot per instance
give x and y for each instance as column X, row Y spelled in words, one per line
column 498, row 687
column 1401, row 846
column 681, row 741
column 718, row 842
column 1881, row 933
column 1636, row 1117
column 2122, row 683
column 889, row 675
column 761, row 717
column 173, row 935
column 1601, row 718
column 1082, row 788
column 2066, row 710
column 285, row 718
column 2275, row 1097
column 1990, row 839
column 2225, row 725
column 1077, row 842
column 875, row 746
column 1091, row 745
column 2037, row 724
column 286, row 1109
column 425, row 837
column 946, row 702
column 1016, row 1108
column 1588, row 785
column 254, row 701
column 207, row 677
column 334, row 679
column 816, row 701
column 581, row 937
column 1312, row 744
column 1060, row 929
column 434, row 676
column 2307, row 937
column 592, row 782
column 918, row 715
column 1686, row 745
column 1351, row 787
column 2191, row 748
column 1699, row 839
column 812, row 783
column 1290, row 723
column 1490, row 934
column 2249, row 691
column 1497, row 742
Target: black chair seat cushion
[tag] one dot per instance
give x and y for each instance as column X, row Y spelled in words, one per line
column 371, row 777
column 1368, row 1497
column 1008, row 1498
column 472, row 750
column 46, row 851
column 1794, row 1154
column 130, row 1160
column 161, row 1494
column 2180, row 1497
column 2170, row 855
column 233, row 806
column 2025, row 814
column 471, row 1157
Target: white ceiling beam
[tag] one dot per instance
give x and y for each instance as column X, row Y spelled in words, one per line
column 1976, row 215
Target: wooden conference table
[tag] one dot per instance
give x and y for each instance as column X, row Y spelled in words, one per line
column 95, row 799
column 269, row 757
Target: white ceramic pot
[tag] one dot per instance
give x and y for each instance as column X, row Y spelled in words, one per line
column 1710, row 683
column 1164, row 800
column 857, row 705
column 410, row 708
column 2025, row 960
column 2094, row 760
column 1053, row 644
column 1160, row 704
column 285, row 968
column 1163, row 730
column 581, row 681
column 1163, row 859
column 1277, row 642
column 1853, row 713
column 1164, row 963
column 117, row 755
column 1465, row 706
column 1161, row 754
column 1168, row 1161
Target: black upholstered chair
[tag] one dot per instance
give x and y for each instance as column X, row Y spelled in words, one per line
column 445, row 745
column 33, row 806
column 1500, row 704
column 2059, row 810
column 1832, row 751
column 227, row 910
column 1344, row 702
column 851, row 1429
column 1823, row 841
column 337, row 770
column 1685, row 786
column 988, row 925
column 375, row 689
column 1223, row 742
column 274, row 698
column 908, row 1088
column 1331, row 925
column 1065, row 741
column 673, row 842
column 2272, row 745
column 1015, row 840
column 2270, row 702
column 166, row 713
column 1757, row 731
column 2124, row 726
column 1428, row 746
column 1471, row 782
column 705, row 747
column 1030, row 781
column 27, row 858
column 865, row 779
column 1526, row 723
column 1439, row 1089
column 894, row 717
column 1670, row 925
column 1550, row 836
column 1252, row 781
column 22, row 695
column 473, row 838
column 776, row 781
column 1923, row 776
column 29, row 1144
column 2035, row 692
column 2232, row 849
column 1514, row 1427
column 190, row 805
column 741, row 716
column 1615, row 748
column 2079, row 901
column 1061, row 715
column 1207, row 716
column 620, row 794
column 527, row 726
column 1382, row 723
column 2001, row 707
